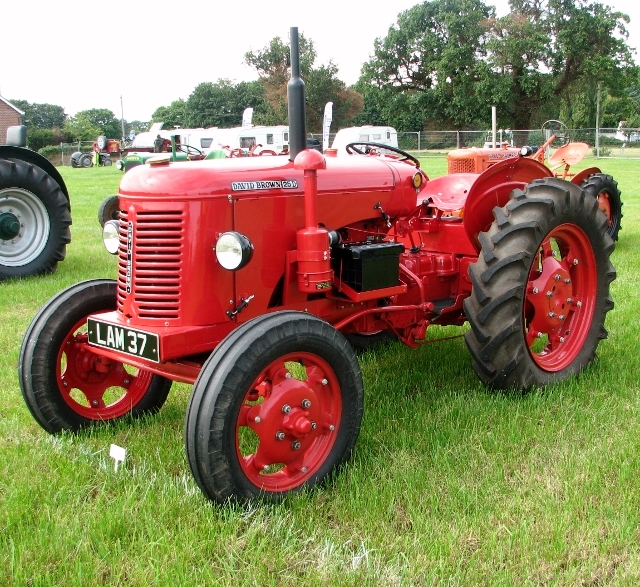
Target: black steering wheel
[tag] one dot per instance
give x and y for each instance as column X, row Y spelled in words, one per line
column 189, row 150
column 369, row 147
column 558, row 130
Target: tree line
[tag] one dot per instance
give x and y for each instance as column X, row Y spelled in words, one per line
column 441, row 66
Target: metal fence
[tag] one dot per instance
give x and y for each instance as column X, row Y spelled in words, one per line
column 611, row 142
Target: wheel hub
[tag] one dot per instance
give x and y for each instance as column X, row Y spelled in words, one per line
column 9, row 226
column 554, row 298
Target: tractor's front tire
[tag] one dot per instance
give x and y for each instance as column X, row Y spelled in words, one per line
column 605, row 190
column 109, row 210
column 276, row 408
column 65, row 384
column 540, row 287
column 34, row 220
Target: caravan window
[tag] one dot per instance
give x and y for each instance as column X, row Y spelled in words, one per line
column 285, row 136
column 377, row 137
column 364, row 138
column 205, row 143
column 269, row 139
column 388, row 134
column 247, row 142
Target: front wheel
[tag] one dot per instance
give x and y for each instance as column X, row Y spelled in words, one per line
column 109, row 209
column 276, row 407
column 540, row 287
column 65, row 385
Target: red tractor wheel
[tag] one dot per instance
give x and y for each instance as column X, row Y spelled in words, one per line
column 277, row 407
column 605, row 190
column 66, row 385
column 540, row 287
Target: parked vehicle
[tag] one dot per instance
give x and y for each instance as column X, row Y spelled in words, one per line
column 381, row 135
column 559, row 153
column 244, row 276
column 35, row 213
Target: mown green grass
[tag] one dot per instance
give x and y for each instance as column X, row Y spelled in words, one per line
column 450, row 484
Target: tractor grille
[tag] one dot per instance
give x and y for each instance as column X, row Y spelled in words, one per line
column 462, row 165
column 154, row 263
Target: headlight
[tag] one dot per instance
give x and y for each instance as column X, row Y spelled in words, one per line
column 110, row 236
column 120, row 164
column 233, row 250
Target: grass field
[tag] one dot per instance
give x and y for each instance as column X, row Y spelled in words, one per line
column 450, row 484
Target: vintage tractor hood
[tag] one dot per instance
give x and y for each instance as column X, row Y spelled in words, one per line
column 255, row 176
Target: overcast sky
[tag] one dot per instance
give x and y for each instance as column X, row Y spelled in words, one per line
column 85, row 54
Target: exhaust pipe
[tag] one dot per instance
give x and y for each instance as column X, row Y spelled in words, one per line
column 296, row 101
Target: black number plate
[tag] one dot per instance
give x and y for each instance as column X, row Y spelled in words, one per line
column 125, row 340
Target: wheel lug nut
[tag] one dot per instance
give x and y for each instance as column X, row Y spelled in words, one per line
column 257, row 419
column 535, row 290
column 313, row 425
column 562, row 339
column 126, row 382
column 304, row 469
column 551, row 315
column 569, row 300
column 567, row 280
column 557, row 277
column 332, row 427
column 295, row 445
column 94, row 403
column 325, row 382
column 306, row 404
column 575, row 261
column 549, row 294
column 280, row 435
column 579, row 304
column 288, row 376
column 286, row 409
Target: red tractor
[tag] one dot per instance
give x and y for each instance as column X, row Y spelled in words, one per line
column 248, row 277
column 565, row 154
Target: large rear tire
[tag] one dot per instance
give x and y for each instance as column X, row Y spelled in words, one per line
column 34, row 220
column 65, row 385
column 604, row 189
column 540, row 287
column 276, row 407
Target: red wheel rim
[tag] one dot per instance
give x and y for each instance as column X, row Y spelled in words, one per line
column 605, row 205
column 95, row 387
column 288, row 424
column 560, row 298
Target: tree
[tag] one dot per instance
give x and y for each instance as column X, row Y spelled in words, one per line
column 172, row 115
column 551, row 51
column 222, row 104
column 89, row 124
column 45, row 116
column 433, row 60
column 322, row 84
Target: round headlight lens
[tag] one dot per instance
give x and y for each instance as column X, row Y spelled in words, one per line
column 110, row 236
column 119, row 164
column 233, row 250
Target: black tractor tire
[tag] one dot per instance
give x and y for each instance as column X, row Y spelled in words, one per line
column 540, row 290
column 35, row 216
column 86, row 160
column 258, row 428
column 604, row 189
column 109, row 210
column 68, row 387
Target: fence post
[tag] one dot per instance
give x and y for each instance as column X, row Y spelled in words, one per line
column 61, row 154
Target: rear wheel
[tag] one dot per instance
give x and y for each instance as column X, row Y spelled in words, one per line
column 64, row 383
column 277, row 407
column 540, row 287
column 605, row 190
column 34, row 220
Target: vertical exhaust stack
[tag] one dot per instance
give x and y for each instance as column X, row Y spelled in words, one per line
column 296, row 101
